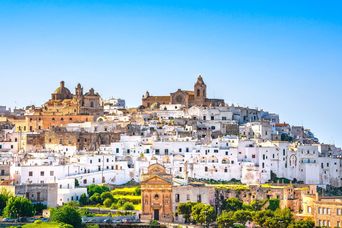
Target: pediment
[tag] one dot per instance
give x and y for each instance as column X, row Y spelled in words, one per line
column 156, row 180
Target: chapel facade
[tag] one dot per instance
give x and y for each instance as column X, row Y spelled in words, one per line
column 156, row 191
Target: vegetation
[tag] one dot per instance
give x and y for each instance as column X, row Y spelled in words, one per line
column 127, row 198
column 203, row 214
column 92, row 189
column 39, row 224
column 18, row 207
column 236, row 213
column 68, row 215
column 185, row 209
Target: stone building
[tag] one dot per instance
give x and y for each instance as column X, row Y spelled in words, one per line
column 184, row 97
column 37, row 193
column 324, row 211
column 82, row 140
column 156, row 190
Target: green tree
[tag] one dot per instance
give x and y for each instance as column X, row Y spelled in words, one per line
column 302, row 224
column 226, row 220
column 203, row 214
column 84, row 200
column 281, row 219
column 19, row 207
column 92, row 189
column 108, row 202
column 242, row 216
column 128, row 206
column 95, row 199
column 257, row 205
column 274, row 204
column 232, row 204
column 3, row 201
column 185, row 210
column 67, row 215
column 260, row 217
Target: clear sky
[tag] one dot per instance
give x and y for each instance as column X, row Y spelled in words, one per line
column 282, row 56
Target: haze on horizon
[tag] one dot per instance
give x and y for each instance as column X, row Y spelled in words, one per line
column 283, row 57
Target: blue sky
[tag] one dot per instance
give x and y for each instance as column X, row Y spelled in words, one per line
column 284, row 57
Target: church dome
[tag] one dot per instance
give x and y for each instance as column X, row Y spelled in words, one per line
column 62, row 92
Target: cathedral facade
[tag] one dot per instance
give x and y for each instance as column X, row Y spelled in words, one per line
column 197, row 97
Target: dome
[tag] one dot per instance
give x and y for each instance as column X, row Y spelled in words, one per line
column 62, row 92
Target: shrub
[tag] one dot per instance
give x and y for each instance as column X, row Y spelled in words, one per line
column 67, row 215
column 108, row 202
column 128, row 207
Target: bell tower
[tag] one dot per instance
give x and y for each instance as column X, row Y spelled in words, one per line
column 200, row 90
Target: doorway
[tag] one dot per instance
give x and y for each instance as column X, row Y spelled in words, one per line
column 156, row 215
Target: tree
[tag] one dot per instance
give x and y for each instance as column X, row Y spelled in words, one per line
column 257, row 205
column 226, row 220
column 232, row 204
column 302, row 224
column 39, row 207
column 260, row 217
column 67, row 215
column 281, row 219
column 128, row 206
column 84, row 200
column 92, row 189
column 3, row 201
column 19, row 207
column 95, row 199
column 274, row 204
column 203, row 214
column 106, row 195
column 185, row 210
column 242, row 216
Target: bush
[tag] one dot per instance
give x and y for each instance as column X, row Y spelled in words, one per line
column 39, row 207
column 106, row 195
column 95, row 199
column 67, row 215
column 108, row 202
column 92, row 189
column 128, row 207
column 84, row 200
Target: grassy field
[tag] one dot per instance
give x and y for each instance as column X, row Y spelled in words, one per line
column 42, row 225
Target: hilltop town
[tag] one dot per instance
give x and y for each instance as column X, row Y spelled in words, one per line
column 177, row 148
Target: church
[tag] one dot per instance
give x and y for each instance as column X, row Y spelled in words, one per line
column 197, row 97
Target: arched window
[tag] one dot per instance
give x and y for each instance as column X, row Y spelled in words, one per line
column 92, row 104
column 198, row 92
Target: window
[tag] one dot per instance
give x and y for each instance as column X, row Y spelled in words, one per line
column 206, row 169
column 166, row 152
column 52, row 173
column 212, row 117
column 99, row 159
column 117, row 150
column 199, row 198
column 188, row 197
column 30, row 174
column 180, row 150
column 177, row 198
column 157, row 151
column 42, row 173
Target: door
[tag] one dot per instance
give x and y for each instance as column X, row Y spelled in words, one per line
column 156, row 215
